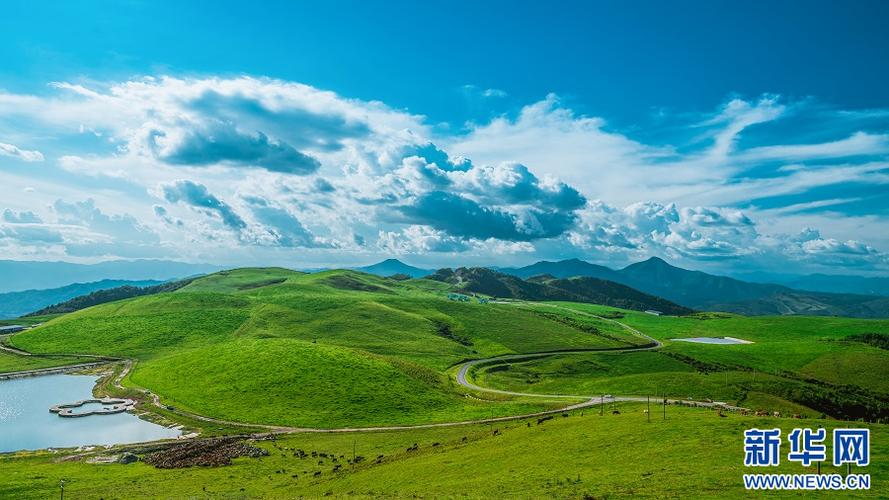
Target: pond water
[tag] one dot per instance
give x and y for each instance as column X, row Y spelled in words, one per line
column 714, row 340
column 27, row 424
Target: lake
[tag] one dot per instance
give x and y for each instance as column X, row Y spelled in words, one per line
column 27, row 424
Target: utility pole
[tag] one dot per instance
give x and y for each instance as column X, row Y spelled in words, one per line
column 665, row 407
column 353, row 455
column 602, row 405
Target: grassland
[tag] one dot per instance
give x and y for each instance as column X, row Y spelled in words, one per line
column 344, row 349
column 339, row 348
column 799, row 365
column 693, row 454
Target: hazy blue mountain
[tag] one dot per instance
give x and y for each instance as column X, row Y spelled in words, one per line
column 15, row 304
column 578, row 289
column 390, row 267
column 708, row 292
column 110, row 295
column 37, row 275
column 831, row 283
column 562, row 269
column 691, row 287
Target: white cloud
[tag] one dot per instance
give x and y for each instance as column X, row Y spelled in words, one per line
column 22, row 154
column 257, row 166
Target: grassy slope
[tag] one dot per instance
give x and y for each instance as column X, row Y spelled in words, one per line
column 793, row 360
column 811, row 345
column 693, row 454
column 219, row 345
column 309, row 384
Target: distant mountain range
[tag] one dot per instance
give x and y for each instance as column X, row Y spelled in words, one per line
column 109, row 295
column 38, row 275
column 390, row 267
column 47, row 283
column 817, row 294
column 578, row 289
column 708, row 292
column 831, row 283
column 15, row 304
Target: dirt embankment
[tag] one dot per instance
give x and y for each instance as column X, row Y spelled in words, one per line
column 207, row 453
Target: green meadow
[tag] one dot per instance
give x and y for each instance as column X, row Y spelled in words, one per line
column 342, row 349
column 331, row 349
column 694, row 453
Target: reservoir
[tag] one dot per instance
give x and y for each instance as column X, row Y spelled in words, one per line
column 27, row 424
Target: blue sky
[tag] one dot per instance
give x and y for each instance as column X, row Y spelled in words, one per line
column 719, row 136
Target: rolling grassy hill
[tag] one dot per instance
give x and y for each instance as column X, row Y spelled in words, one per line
column 341, row 348
column 334, row 348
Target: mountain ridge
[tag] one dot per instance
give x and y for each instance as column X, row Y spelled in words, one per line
column 16, row 304
column 704, row 291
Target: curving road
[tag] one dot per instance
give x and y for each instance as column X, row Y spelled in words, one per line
column 653, row 344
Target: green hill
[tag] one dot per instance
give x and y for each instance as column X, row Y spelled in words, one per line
column 334, row 348
column 344, row 348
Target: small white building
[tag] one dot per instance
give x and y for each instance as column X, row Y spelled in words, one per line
column 653, row 312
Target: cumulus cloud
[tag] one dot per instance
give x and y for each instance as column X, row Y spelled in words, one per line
column 22, row 154
column 197, row 196
column 279, row 126
column 280, row 164
column 223, row 143
column 652, row 228
column 23, row 217
column 461, row 216
column 416, row 239
column 283, row 228
column 505, row 202
column 80, row 229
